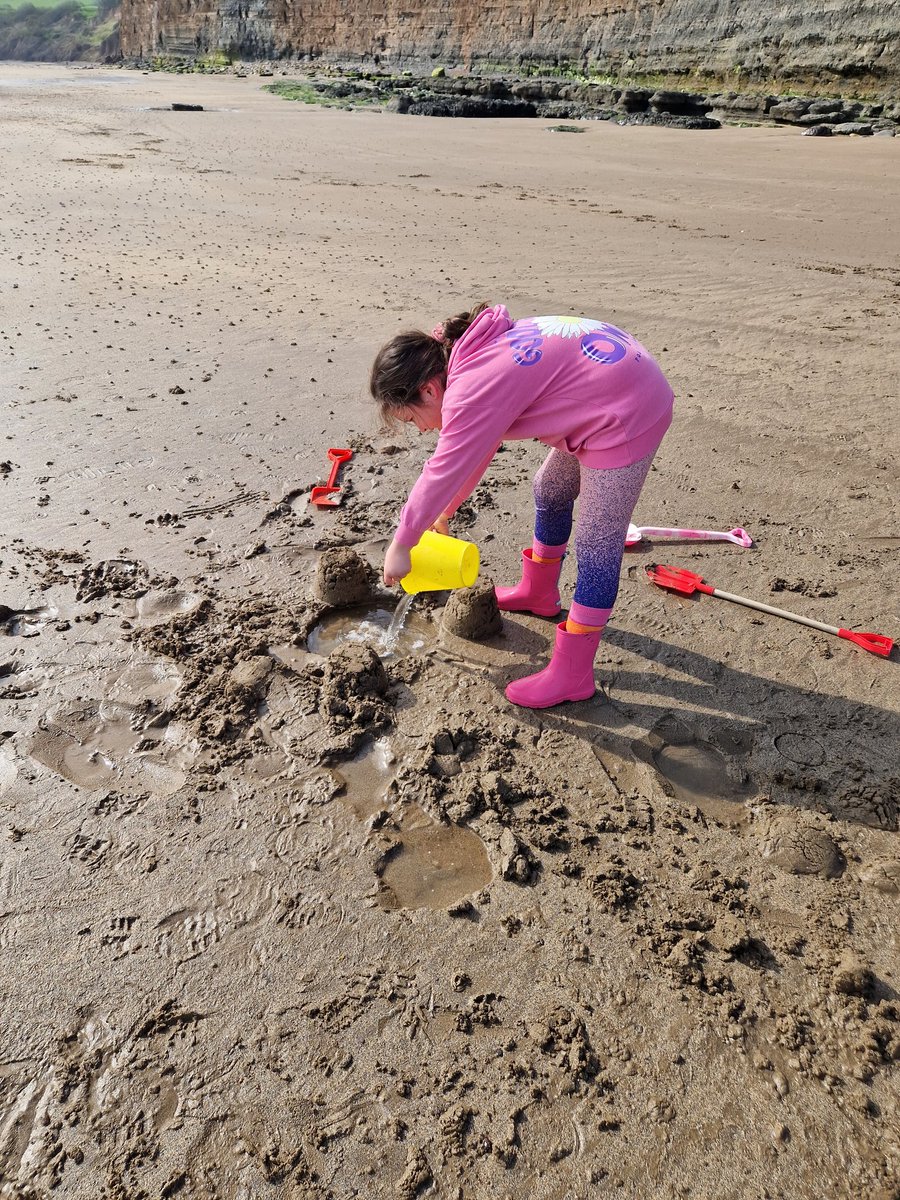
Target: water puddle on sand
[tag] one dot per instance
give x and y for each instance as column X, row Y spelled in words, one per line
column 367, row 778
column 144, row 681
column 25, row 622
column 428, row 865
column 374, row 627
column 106, row 743
column 293, row 657
column 432, row 866
column 699, row 775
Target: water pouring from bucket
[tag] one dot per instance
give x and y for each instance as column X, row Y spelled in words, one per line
column 438, row 563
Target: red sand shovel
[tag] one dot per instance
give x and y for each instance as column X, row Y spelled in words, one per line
column 330, row 495
column 675, row 579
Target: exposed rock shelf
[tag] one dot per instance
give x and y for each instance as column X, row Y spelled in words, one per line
column 474, row 96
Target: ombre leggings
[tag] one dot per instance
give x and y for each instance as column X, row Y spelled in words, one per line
column 607, row 498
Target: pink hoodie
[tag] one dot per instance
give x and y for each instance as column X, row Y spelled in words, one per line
column 579, row 385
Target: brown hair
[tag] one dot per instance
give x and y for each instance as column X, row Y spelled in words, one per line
column 410, row 359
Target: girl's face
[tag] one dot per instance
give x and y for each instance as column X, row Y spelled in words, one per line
column 427, row 414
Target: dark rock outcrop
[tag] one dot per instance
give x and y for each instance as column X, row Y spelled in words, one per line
column 479, row 96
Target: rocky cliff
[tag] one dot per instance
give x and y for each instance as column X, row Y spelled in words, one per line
column 808, row 40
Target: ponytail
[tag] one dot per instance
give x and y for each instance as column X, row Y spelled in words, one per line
column 452, row 329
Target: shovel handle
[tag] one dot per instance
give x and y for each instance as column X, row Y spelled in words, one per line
column 875, row 643
column 739, row 537
column 329, row 495
column 337, row 458
column 686, row 583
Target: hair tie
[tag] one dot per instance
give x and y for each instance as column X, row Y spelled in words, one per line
column 438, row 334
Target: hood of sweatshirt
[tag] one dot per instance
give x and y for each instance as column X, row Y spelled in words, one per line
column 486, row 328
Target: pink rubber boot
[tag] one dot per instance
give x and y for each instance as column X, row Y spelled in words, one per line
column 536, row 592
column 568, row 676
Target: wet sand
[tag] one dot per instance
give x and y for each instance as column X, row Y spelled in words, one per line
column 282, row 924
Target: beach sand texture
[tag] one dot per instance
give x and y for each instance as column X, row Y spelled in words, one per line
column 281, row 920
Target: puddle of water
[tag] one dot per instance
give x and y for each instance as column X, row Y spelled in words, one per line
column 367, row 778
column 370, row 627
column 293, row 657
column 430, row 865
column 433, row 866
column 96, row 745
column 699, row 775
column 25, row 622
column 264, row 766
column 84, row 765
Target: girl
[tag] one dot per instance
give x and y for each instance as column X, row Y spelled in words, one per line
column 583, row 387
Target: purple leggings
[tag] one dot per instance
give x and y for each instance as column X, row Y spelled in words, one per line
column 607, row 500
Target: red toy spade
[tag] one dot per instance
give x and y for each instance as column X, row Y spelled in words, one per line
column 329, row 495
column 675, row 579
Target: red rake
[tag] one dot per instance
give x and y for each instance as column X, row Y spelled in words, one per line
column 675, row 579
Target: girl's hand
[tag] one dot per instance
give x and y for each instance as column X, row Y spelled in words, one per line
column 442, row 525
column 397, row 564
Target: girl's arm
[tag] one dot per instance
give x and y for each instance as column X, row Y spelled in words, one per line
column 466, row 444
column 471, row 483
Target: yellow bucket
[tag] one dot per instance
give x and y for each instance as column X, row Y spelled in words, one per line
column 441, row 563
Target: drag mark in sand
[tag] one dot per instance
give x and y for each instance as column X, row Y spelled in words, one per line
column 221, row 506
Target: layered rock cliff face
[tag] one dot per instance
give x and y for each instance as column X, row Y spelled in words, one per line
column 812, row 40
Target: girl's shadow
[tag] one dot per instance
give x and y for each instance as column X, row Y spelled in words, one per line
column 804, row 748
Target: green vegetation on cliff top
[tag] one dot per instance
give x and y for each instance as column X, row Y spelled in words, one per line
column 56, row 31
column 8, row 7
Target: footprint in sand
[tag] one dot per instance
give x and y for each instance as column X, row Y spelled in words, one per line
column 97, row 744
column 156, row 607
column 696, row 772
column 9, row 772
column 883, row 875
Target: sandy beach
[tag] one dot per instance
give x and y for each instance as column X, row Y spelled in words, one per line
column 286, row 915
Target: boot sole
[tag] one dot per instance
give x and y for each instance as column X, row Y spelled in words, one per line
column 554, row 703
column 535, row 612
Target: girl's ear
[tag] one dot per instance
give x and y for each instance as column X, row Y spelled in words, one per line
column 433, row 390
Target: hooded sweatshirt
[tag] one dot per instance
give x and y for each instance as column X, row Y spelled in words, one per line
column 578, row 385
